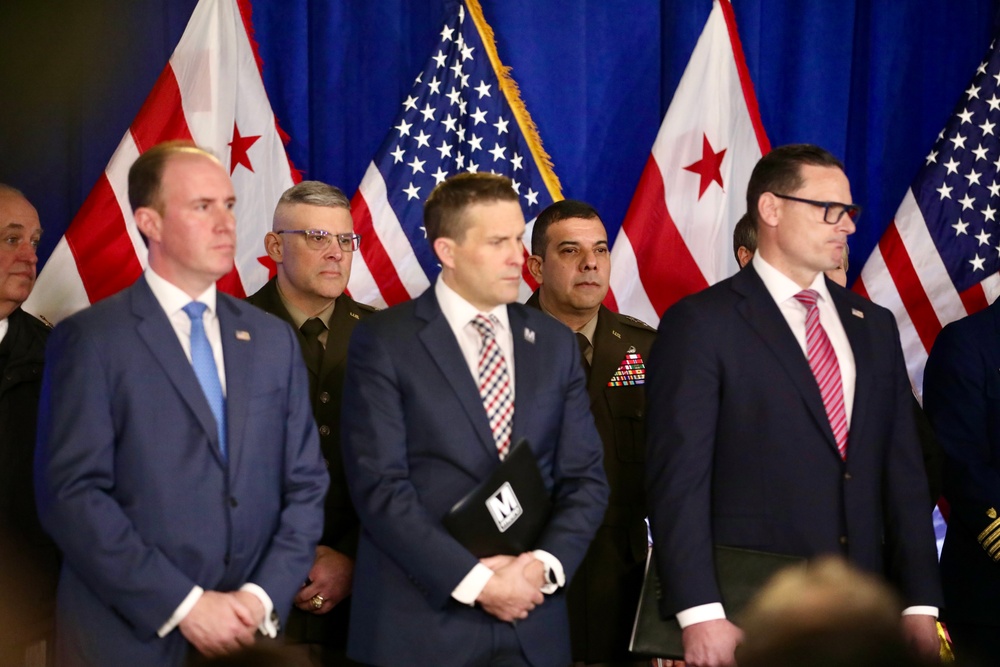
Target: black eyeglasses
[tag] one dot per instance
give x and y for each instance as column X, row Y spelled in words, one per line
column 832, row 211
column 320, row 239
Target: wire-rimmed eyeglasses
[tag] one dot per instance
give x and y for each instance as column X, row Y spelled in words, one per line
column 320, row 239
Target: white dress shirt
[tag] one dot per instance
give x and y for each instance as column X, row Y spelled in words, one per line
column 459, row 313
column 783, row 290
column 173, row 299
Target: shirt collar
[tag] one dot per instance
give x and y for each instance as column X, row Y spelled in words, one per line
column 299, row 316
column 172, row 298
column 781, row 287
column 460, row 312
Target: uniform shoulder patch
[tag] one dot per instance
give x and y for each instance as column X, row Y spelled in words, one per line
column 635, row 322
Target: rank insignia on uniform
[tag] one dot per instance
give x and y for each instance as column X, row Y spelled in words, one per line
column 857, row 313
column 355, row 316
column 242, row 335
column 529, row 335
column 631, row 371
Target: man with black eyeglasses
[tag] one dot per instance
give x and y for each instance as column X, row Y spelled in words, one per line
column 312, row 242
column 781, row 417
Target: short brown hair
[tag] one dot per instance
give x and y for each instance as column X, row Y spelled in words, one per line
column 780, row 171
column 444, row 207
column 557, row 212
column 745, row 235
column 146, row 173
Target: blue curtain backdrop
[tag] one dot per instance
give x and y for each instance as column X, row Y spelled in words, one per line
column 871, row 80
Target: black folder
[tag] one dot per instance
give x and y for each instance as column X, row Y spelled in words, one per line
column 740, row 574
column 507, row 511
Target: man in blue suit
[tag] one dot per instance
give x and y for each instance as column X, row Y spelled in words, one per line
column 781, row 417
column 418, row 436
column 178, row 465
column 962, row 397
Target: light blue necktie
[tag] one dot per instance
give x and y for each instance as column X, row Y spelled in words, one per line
column 203, row 362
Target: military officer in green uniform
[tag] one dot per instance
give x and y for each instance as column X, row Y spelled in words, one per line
column 312, row 242
column 571, row 262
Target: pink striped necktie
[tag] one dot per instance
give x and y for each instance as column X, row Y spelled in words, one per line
column 494, row 385
column 823, row 362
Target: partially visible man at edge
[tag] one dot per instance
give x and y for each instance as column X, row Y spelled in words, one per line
column 571, row 263
column 312, row 243
column 29, row 562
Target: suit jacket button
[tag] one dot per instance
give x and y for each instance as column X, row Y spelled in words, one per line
column 233, row 502
column 847, row 476
column 324, row 397
column 843, row 540
column 324, row 430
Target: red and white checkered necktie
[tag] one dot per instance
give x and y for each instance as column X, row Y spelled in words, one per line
column 494, row 385
column 823, row 362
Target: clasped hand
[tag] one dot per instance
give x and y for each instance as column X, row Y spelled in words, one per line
column 515, row 587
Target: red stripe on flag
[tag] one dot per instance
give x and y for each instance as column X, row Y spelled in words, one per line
column 666, row 267
column 907, row 282
column 161, row 117
column 100, row 245
column 974, row 299
column 746, row 83
column 381, row 267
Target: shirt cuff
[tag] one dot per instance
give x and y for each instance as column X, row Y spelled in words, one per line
column 472, row 584
column 555, row 578
column 921, row 610
column 712, row 611
column 183, row 609
column 267, row 627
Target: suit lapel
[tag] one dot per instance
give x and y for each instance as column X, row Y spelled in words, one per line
column 526, row 369
column 859, row 338
column 438, row 339
column 341, row 324
column 238, row 352
column 157, row 333
column 613, row 350
column 763, row 315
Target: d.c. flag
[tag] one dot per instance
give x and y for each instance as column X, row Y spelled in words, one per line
column 938, row 260
column 210, row 92
column 463, row 114
column 677, row 235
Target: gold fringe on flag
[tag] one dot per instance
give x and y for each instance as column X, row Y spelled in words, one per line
column 513, row 95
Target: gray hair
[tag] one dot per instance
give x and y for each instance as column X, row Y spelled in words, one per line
column 315, row 193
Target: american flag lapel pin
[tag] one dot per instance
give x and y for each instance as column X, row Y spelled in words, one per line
column 242, row 335
column 529, row 335
column 857, row 313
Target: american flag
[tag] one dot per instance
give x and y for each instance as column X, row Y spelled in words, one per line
column 463, row 114
column 678, row 233
column 938, row 260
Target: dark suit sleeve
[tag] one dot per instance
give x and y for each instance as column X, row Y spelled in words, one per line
column 286, row 561
column 75, row 471
column 374, row 443
column 958, row 384
column 683, row 386
column 911, row 557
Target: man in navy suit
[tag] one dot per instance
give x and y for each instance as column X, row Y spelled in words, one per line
column 178, row 465
column 961, row 392
column 748, row 448
column 418, row 436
